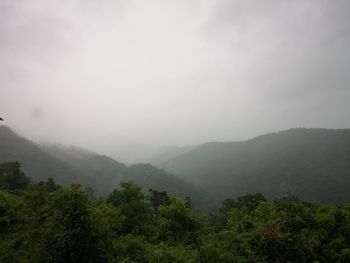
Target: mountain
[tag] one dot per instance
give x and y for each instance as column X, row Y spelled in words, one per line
column 314, row 164
column 110, row 172
column 69, row 164
column 166, row 153
column 36, row 163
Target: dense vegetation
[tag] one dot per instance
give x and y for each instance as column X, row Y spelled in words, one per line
column 44, row 222
column 100, row 174
column 313, row 164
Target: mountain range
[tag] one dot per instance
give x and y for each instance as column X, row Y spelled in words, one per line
column 313, row 164
column 69, row 164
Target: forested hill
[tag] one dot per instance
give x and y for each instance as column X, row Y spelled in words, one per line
column 68, row 165
column 36, row 163
column 314, row 164
column 47, row 223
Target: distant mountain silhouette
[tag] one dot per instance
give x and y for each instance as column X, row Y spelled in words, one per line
column 314, row 164
column 68, row 164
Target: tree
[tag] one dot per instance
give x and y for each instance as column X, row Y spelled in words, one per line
column 131, row 202
column 51, row 186
column 250, row 201
column 75, row 232
column 177, row 222
column 11, row 176
column 158, row 198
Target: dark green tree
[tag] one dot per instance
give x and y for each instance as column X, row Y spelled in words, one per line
column 132, row 204
column 158, row 198
column 76, row 235
column 11, row 176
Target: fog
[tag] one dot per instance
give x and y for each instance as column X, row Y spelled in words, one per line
column 125, row 77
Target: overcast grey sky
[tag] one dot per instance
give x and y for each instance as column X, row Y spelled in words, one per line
column 101, row 74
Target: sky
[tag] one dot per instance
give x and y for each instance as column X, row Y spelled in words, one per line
column 123, row 77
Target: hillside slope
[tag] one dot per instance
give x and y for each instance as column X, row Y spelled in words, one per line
column 311, row 163
column 35, row 162
column 110, row 172
column 68, row 165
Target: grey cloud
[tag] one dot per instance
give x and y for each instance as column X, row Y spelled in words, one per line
column 301, row 46
column 112, row 75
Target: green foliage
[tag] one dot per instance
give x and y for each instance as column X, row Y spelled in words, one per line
column 11, row 176
column 132, row 248
column 9, row 205
column 131, row 202
column 177, row 223
column 99, row 174
column 76, row 234
column 158, row 198
column 173, row 254
column 314, row 164
column 48, row 223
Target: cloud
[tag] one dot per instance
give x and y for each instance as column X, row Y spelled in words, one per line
column 172, row 72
